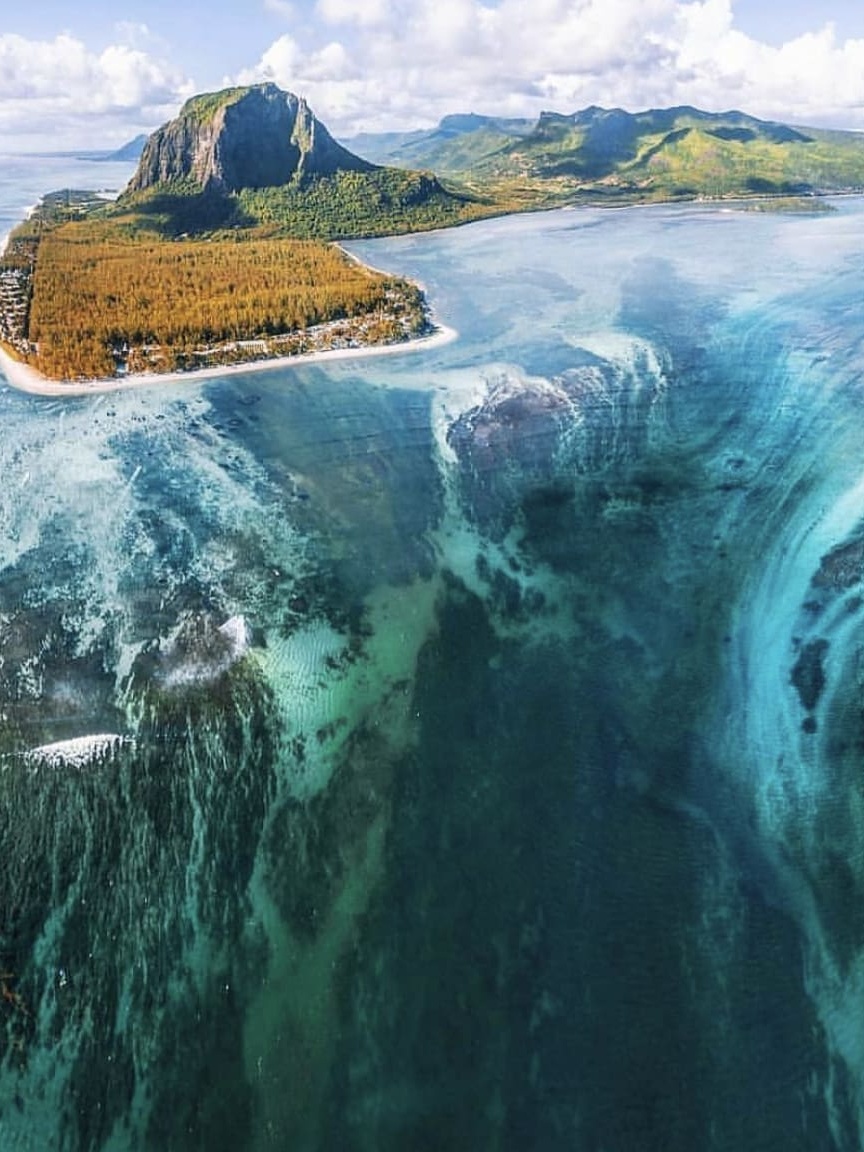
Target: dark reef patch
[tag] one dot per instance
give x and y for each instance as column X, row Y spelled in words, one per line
column 808, row 673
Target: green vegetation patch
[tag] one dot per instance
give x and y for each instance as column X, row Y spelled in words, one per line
column 378, row 203
column 202, row 108
column 178, row 208
column 348, row 204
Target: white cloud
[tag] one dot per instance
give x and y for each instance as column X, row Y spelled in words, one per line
column 404, row 63
column 812, row 78
column 398, row 63
column 82, row 98
column 134, row 34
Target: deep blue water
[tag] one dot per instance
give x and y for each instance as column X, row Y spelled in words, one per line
column 486, row 722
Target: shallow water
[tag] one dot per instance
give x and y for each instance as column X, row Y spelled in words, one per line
column 477, row 732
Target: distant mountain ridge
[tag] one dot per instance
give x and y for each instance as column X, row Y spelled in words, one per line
column 659, row 153
column 131, row 150
column 607, row 131
column 257, row 156
column 457, row 143
column 596, row 141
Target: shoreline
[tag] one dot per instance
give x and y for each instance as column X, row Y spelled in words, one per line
column 4, row 239
column 25, row 378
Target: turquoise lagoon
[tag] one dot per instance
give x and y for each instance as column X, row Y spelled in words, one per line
column 460, row 749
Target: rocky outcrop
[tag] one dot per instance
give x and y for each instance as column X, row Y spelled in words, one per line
column 256, row 137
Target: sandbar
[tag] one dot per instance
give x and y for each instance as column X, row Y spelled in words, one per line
column 26, row 378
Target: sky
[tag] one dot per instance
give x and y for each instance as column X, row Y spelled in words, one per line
column 94, row 74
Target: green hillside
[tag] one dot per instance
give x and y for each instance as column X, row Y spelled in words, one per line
column 384, row 201
column 458, row 144
column 247, row 158
column 614, row 155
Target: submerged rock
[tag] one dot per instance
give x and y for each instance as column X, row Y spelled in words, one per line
column 534, row 435
column 841, row 568
column 808, row 675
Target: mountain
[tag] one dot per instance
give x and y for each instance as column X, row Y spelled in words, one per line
column 257, row 157
column 131, row 150
column 618, row 156
column 596, row 143
column 457, row 144
column 256, row 137
column 205, row 258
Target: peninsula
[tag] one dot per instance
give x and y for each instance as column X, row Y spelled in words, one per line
column 221, row 251
column 218, row 254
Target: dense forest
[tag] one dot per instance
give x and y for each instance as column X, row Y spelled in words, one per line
column 96, row 299
column 378, row 203
column 343, row 205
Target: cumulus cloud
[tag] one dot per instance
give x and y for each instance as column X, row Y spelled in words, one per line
column 134, row 34
column 84, row 98
column 397, row 63
column 385, row 64
column 813, row 78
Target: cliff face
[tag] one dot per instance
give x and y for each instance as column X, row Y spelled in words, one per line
column 256, row 137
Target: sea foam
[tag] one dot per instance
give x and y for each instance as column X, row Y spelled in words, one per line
column 79, row 752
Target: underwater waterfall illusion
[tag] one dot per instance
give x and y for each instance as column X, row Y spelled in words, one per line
column 460, row 749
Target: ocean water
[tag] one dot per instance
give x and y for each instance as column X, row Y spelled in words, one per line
column 460, row 749
column 24, row 180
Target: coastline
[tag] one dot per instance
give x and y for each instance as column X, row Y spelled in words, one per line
column 24, row 378
column 4, row 238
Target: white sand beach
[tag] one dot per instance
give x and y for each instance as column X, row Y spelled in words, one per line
column 27, row 379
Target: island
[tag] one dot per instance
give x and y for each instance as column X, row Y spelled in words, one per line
column 223, row 250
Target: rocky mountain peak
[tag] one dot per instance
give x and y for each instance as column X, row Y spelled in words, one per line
column 253, row 137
